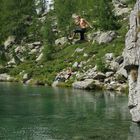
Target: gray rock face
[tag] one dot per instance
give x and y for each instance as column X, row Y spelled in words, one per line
column 120, row 7
column 132, row 61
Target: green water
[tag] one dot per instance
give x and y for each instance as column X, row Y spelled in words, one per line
column 42, row 113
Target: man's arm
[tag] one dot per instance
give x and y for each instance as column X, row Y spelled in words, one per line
column 87, row 23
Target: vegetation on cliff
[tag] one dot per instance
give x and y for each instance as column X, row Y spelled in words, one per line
column 21, row 20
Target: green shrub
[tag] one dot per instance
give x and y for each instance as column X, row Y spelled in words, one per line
column 100, row 65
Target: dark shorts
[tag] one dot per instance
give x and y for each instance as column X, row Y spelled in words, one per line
column 80, row 30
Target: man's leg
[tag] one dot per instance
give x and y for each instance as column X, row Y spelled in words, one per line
column 82, row 34
column 73, row 34
column 82, row 37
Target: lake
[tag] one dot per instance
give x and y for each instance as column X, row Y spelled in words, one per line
column 45, row 113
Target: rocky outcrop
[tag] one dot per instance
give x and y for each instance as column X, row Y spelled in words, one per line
column 120, row 7
column 62, row 77
column 6, row 78
column 132, row 61
column 101, row 37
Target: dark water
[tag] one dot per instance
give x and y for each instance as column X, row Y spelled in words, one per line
column 42, row 113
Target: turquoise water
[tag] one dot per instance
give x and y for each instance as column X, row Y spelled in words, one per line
column 44, row 113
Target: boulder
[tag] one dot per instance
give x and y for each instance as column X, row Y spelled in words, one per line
column 33, row 51
column 122, row 87
column 38, row 43
column 114, row 66
column 26, row 77
column 91, row 74
column 5, row 77
column 57, row 84
column 78, row 50
column 99, row 76
column 122, row 2
column 101, row 37
column 85, row 55
column 120, row 11
column 115, row 86
column 10, row 40
column 106, row 37
column 108, row 74
column 75, row 65
column 120, row 7
column 122, row 72
column 61, row 41
column 93, row 36
column 12, row 62
column 86, row 84
column 39, row 57
column 63, row 76
column 109, row 56
column 34, row 45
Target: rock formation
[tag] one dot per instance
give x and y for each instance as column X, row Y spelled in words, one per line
column 132, row 61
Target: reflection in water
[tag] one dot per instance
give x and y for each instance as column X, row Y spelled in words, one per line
column 134, row 132
column 44, row 113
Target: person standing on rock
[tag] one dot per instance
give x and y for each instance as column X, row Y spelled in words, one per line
column 82, row 26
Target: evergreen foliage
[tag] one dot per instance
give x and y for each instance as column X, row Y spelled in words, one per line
column 64, row 10
column 13, row 15
column 106, row 17
column 49, row 38
column 100, row 11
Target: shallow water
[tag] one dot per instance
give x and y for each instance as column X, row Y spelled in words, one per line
column 44, row 113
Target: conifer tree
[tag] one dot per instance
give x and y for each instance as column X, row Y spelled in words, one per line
column 49, row 38
column 106, row 18
column 13, row 14
column 64, row 10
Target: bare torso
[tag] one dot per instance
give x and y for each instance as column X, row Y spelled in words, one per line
column 82, row 23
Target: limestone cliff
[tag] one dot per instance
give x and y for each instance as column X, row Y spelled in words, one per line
column 132, row 61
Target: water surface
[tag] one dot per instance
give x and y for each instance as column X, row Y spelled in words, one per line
column 44, row 113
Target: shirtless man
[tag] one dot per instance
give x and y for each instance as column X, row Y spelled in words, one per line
column 82, row 26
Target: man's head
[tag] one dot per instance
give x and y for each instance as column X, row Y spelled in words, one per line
column 75, row 16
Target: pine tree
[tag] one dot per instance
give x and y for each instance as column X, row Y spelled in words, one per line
column 13, row 15
column 106, row 18
column 49, row 38
column 64, row 10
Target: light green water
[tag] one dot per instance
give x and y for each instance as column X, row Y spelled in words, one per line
column 42, row 113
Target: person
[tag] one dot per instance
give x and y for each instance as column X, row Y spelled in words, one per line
column 81, row 28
